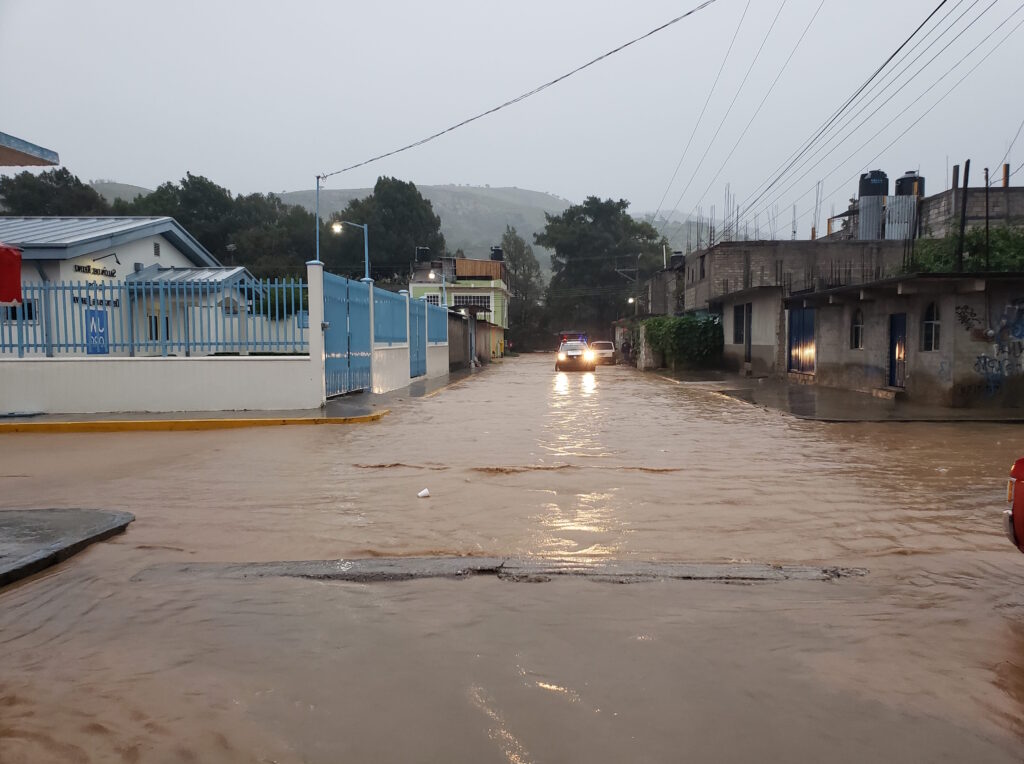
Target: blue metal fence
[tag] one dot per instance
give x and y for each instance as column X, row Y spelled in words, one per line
column 437, row 323
column 389, row 317
column 149, row 318
column 417, row 338
column 347, row 351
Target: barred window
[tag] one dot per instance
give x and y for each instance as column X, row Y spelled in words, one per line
column 477, row 300
column 930, row 328
column 433, row 299
column 25, row 312
column 857, row 330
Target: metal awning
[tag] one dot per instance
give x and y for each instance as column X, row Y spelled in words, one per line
column 14, row 152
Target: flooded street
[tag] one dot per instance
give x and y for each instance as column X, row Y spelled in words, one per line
column 920, row 660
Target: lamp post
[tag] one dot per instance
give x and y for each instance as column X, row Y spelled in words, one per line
column 318, row 217
column 444, row 292
column 636, row 305
column 338, row 225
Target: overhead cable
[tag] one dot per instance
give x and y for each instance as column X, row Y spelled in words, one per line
column 527, row 94
column 728, row 111
column 759, row 201
column 700, row 117
column 846, row 104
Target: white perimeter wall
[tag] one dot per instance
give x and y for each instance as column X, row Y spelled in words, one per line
column 437, row 360
column 87, row 385
column 390, row 368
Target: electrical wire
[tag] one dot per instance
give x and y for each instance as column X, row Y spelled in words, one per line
column 1008, row 150
column 700, row 117
column 914, row 123
column 525, row 95
column 859, row 102
column 846, row 104
column 781, row 194
column 728, row 111
column 757, row 111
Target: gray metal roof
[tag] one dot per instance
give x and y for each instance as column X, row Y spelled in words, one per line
column 215, row 275
column 62, row 238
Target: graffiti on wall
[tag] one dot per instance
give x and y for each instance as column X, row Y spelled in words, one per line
column 1004, row 357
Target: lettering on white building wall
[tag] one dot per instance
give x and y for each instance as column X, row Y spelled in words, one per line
column 93, row 270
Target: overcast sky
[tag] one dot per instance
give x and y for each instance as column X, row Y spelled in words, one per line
column 261, row 96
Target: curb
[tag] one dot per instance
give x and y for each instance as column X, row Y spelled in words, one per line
column 172, row 425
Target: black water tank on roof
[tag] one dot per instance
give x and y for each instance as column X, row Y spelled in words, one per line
column 905, row 185
column 874, row 183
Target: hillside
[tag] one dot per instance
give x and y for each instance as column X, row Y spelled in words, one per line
column 111, row 190
column 473, row 218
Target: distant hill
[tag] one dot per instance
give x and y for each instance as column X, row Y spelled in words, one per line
column 111, row 191
column 473, row 218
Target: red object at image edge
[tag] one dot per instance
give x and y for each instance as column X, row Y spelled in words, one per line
column 1017, row 473
column 10, row 275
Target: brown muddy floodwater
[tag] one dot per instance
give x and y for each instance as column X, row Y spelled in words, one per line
column 921, row 660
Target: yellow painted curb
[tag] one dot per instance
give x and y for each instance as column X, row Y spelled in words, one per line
column 169, row 425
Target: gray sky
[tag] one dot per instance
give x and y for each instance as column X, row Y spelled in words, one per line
column 260, row 96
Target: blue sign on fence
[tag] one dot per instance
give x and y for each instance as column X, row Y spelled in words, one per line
column 302, row 319
column 96, row 332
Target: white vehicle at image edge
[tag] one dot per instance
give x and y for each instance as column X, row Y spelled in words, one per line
column 604, row 351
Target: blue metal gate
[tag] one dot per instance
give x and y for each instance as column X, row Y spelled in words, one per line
column 347, row 347
column 417, row 338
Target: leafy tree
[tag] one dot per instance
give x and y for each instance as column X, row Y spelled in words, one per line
column 54, row 192
column 1006, row 252
column 590, row 241
column 526, row 288
column 399, row 220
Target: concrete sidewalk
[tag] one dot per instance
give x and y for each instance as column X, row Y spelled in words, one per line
column 34, row 539
column 826, row 404
column 354, row 408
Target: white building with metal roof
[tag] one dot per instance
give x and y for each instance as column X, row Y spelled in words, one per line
column 99, row 249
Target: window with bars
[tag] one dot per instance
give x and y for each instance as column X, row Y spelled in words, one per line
column 930, row 328
column 25, row 312
column 156, row 249
column 433, row 299
column 476, row 300
column 857, row 330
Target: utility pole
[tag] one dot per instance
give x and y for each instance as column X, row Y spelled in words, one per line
column 963, row 218
column 988, row 259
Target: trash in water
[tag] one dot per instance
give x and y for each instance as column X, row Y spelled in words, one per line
column 424, row 494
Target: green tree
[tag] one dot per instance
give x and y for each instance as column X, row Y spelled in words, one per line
column 526, row 290
column 54, row 192
column 399, row 220
column 591, row 242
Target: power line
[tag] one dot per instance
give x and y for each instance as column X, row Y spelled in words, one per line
column 914, row 123
column 729, row 110
column 707, row 100
column 779, row 195
column 846, row 104
column 1010, row 148
column 527, row 94
column 759, row 196
column 760, row 106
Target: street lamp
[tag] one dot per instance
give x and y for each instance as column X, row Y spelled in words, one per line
column 636, row 305
column 338, row 225
column 444, row 292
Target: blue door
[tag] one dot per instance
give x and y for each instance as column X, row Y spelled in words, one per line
column 801, row 340
column 417, row 338
column 898, row 350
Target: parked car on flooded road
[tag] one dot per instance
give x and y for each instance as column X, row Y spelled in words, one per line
column 604, row 352
column 1013, row 518
column 575, row 355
